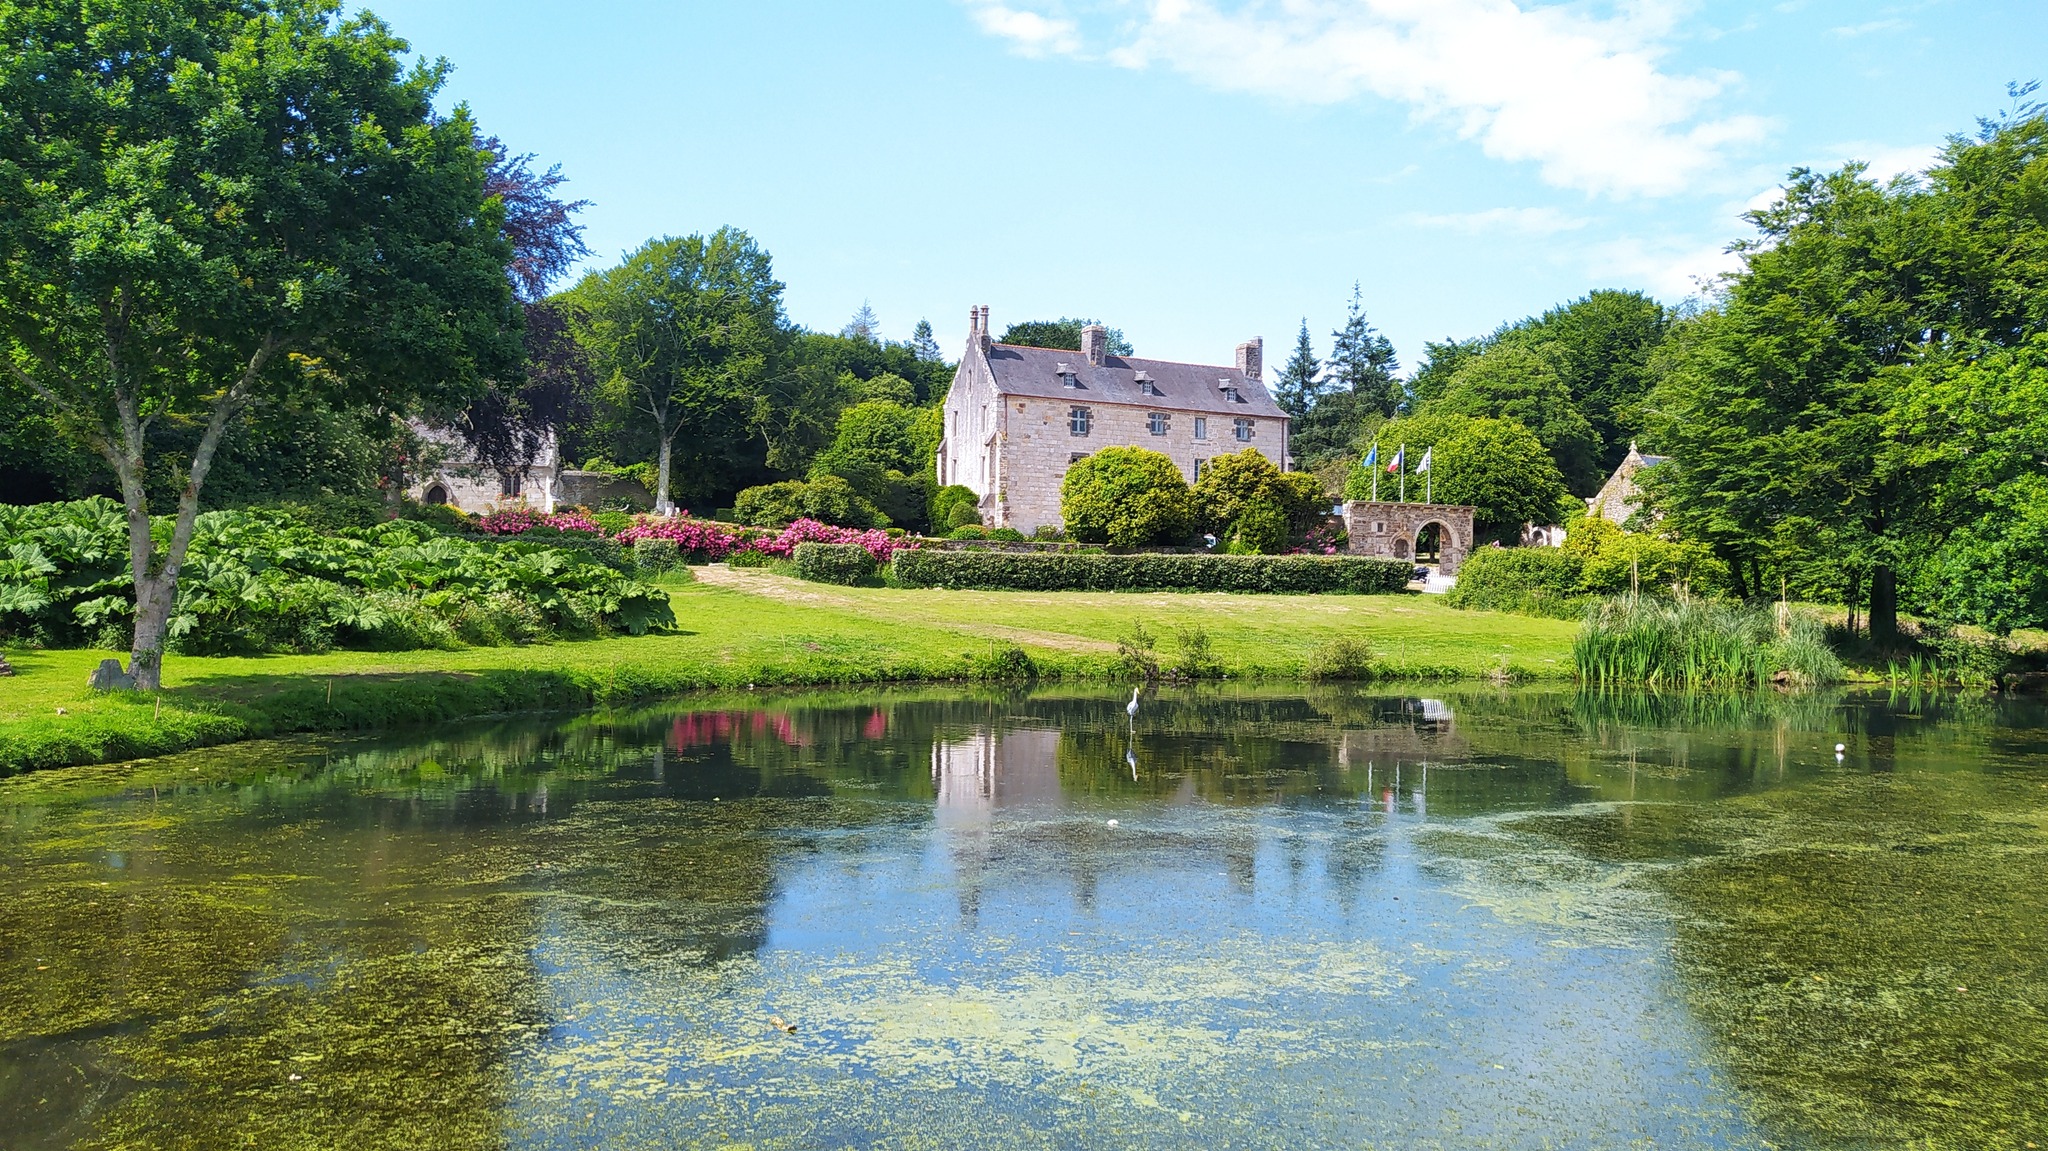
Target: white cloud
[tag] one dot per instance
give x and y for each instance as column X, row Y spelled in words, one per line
column 1584, row 97
column 1033, row 33
column 1848, row 31
column 1667, row 269
column 1523, row 221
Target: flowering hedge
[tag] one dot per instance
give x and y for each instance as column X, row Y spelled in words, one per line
column 519, row 521
column 707, row 542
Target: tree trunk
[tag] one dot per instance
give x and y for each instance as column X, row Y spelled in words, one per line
column 1884, row 607
column 1734, row 563
column 661, row 503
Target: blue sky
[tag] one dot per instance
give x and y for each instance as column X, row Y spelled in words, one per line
column 1197, row 172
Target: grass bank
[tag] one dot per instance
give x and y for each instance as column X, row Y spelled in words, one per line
column 738, row 628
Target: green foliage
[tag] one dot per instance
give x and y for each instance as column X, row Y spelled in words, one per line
column 954, row 506
column 1300, row 384
column 1193, row 657
column 1006, row 664
column 265, row 582
column 1135, row 652
column 1074, row 571
column 1511, row 382
column 652, row 557
column 828, row 499
column 1598, row 559
column 1128, row 497
column 1360, row 393
column 1497, row 466
column 1691, row 643
column 1347, row 657
column 968, row 532
column 1260, row 529
column 1531, row 581
column 1007, row 535
column 750, row 558
column 1061, row 333
column 848, row 564
column 1232, row 483
column 684, row 335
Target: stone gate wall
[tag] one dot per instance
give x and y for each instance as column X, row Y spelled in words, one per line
column 1388, row 529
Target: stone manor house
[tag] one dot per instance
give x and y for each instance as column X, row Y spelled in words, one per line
column 1017, row 418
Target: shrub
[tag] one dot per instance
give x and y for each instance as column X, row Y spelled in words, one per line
column 1134, row 651
column 1230, row 484
column 1077, row 571
column 1345, row 657
column 654, row 556
column 1193, row 659
column 1533, row 581
column 1260, row 529
column 1008, row 663
column 612, row 523
column 1497, row 466
column 1047, row 533
column 954, row 506
column 697, row 541
column 847, row 564
column 879, row 544
column 1128, row 497
column 825, row 498
column 968, row 532
column 748, row 559
column 1007, row 535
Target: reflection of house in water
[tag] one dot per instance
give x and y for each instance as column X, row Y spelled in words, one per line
column 988, row 769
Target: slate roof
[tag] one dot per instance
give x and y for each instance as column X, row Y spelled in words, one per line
column 1022, row 371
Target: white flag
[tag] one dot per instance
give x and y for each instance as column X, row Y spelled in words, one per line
column 1424, row 465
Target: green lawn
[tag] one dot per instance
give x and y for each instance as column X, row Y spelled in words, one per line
column 738, row 628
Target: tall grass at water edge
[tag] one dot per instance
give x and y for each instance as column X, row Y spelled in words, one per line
column 1692, row 643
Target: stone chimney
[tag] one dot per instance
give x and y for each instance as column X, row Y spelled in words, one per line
column 977, row 327
column 1095, row 343
column 1251, row 359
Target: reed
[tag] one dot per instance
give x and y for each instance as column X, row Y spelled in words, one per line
column 1694, row 643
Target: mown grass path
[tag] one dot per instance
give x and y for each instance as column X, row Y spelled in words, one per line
column 741, row 627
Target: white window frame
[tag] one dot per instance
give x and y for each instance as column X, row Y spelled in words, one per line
column 1080, row 421
column 1158, row 423
column 1244, row 429
column 1201, row 427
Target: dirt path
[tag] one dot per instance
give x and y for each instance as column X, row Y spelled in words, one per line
column 775, row 587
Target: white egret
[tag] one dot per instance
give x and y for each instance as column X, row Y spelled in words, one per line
column 1131, row 708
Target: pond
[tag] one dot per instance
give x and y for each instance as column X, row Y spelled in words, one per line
column 1418, row 918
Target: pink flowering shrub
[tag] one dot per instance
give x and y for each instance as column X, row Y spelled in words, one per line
column 518, row 521
column 707, row 542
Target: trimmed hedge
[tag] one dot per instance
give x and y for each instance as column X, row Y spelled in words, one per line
column 847, row 564
column 1149, row 572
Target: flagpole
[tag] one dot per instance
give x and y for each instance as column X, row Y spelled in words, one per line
column 1402, row 458
column 1375, row 471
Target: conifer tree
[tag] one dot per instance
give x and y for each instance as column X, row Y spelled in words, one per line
column 923, row 344
column 1298, row 387
column 1363, row 362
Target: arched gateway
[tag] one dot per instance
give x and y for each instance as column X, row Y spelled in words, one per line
column 1392, row 530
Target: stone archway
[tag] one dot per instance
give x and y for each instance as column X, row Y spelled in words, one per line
column 436, row 493
column 1392, row 529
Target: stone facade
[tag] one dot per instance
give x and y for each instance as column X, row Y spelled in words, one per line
column 1017, row 418
column 1619, row 498
column 459, row 481
column 1388, row 529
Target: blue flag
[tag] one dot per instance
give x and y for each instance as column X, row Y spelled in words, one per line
column 1372, row 457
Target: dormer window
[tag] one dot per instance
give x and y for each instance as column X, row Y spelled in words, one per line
column 1146, row 387
column 1230, row 395
column 1067, row 377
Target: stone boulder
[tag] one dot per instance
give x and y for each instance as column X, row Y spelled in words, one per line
column 6, row 669
column 108, row 676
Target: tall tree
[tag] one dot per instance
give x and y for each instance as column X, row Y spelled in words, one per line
column 683, row 333
column 863, row 325
column 509, row 424
column 1512, row 382
column 1440, row 361
column 1363, row 363
column 208, row 202
column 924, row 345
column 1300, row 382
column 1604, row 347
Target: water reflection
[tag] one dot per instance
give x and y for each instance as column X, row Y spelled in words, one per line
column 1249, row 918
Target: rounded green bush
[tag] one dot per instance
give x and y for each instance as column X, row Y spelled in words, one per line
column 1128, row 497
